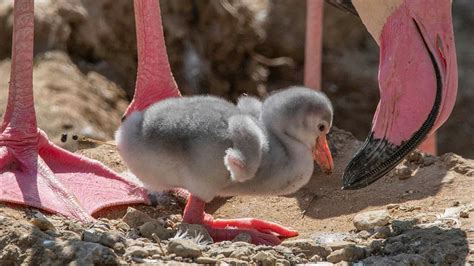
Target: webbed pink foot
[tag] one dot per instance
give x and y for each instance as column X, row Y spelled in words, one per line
column 262, row 232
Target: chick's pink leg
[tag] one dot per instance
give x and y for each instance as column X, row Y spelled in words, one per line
column 261, row 231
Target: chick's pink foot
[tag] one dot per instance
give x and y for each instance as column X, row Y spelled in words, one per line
column 37, row 173
column 262, row 232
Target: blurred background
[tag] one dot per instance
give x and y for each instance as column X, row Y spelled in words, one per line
column 85, row 60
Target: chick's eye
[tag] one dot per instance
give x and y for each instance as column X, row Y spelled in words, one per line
column 321, row 127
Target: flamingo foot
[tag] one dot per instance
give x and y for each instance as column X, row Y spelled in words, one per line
column 261, row 232
column 37, row 173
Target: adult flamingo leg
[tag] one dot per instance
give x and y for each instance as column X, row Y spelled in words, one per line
column 35, row 172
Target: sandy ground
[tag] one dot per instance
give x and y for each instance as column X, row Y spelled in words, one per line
column 426, row 191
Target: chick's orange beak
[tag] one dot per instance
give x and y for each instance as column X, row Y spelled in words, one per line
column 322, row 155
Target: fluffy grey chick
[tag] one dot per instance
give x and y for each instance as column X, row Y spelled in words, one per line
column 212, row 147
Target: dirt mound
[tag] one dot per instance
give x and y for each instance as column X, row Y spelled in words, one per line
column 67, row 100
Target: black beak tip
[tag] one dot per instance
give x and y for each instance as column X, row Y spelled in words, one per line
column 350, row 182
column 369, row 164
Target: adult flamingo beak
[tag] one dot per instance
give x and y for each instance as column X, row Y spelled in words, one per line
column 417, row 79
column 322, row 155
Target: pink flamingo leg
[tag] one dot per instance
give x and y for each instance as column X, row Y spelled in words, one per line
column 313, row 44
column 261, row 231
column 155, row 80
column 429, row 145
column 35, row 172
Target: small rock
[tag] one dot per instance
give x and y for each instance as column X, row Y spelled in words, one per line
column 43, row 223
column 184, row 248
column 108, row 239
column 264, row 258
column 415, row 157
column 429, row 160
column 153, row 227
column 369, row 220
column 136, row 251
column 241, row 252
column 283, row 250
column 400, row 226
column 152, row 250
column 92, row 235
column 403, row 172
column 375, row 245
column 134, row 242
column 364, row 234
column 119, row 248
column 135, row 218
column 349, row 253
column 243, row 237
column 283, row 262
column 308, row 247
column 232, row 261
column 86, row 253
column 206, row 260
column 464, row 214
column 70, row 235
column 393, row 248
column 316, row 258
column 393, row 206
column 382, row 232
column 339, row 245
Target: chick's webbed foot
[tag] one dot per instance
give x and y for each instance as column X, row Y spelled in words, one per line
column 261, row 232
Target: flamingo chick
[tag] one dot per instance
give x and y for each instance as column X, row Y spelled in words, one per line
column 212, row 148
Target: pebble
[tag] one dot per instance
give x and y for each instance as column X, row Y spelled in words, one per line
column 92, row 235
column 232, row 261
column 43, row 223
column 206, row 260
column 185, row 248
column 393, row 206
column 400, row 226
column 339, row 245
column 464, row 214
column 152, row 249
column 370, row 219
column 134, row 242
column 382, row 232
column 154, row 227
column 403, row 172
column 349, row 253
column 107, row 239
column 375, row 245
column 282, row 262
column 134, row 218
column 119, row 248
column 264, row 257
column 136, row 251
column 283, row 250
column 415, row 157
column 364, row 234
column 241, row 252
column 308, row 247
